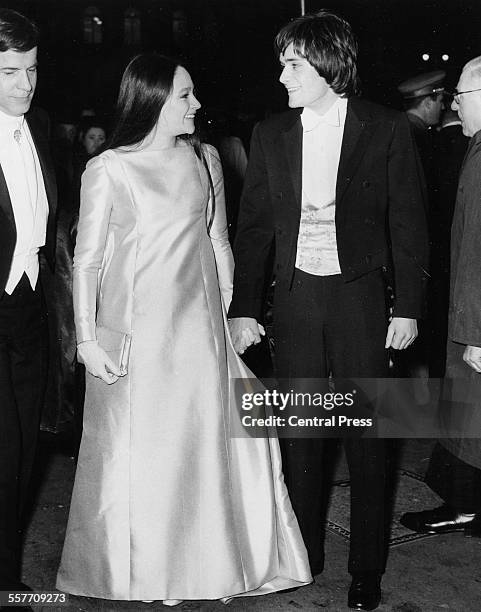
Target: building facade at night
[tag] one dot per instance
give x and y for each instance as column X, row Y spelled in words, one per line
column 227, row 45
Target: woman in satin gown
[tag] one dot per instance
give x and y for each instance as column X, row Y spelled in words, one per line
column 167, row 504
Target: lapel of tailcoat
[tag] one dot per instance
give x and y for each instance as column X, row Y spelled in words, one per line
column 41, row 146
column 357, row 134
column 5, row 202
column 292, row 138
column 39, row 137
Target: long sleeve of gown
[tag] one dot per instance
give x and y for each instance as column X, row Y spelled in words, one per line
column 95, row 210
column 218, row 232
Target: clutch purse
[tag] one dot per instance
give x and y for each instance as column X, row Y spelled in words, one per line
column 117, row 346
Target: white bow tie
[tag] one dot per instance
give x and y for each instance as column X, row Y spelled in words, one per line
column 310, row 120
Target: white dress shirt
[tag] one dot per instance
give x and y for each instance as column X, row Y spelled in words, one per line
column 23, row 176
column 321, row 151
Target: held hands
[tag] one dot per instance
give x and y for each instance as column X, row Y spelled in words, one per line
column 472, row 356
column 244, row 332
column 97, row 362
column 401, row 333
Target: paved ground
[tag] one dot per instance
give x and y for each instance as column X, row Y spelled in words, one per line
column 440, row 573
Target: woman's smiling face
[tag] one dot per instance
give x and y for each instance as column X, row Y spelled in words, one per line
column 178, row 113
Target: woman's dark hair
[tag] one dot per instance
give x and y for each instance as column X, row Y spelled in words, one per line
column 146, row 84
column 17, row 33
column 327, row 42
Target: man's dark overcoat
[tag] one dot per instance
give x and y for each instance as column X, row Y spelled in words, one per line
column 465, row 300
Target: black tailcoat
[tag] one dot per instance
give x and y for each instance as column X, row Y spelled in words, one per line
column 380, row 206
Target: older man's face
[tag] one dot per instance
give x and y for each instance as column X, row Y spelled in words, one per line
column 468, row 105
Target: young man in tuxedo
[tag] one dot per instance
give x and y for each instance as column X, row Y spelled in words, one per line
column 27, row 206
column 335, row 184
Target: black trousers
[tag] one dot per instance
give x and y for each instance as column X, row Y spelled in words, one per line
column 456, row 482
column 321, row 326
column 22, row 376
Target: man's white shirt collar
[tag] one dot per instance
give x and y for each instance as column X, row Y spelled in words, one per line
column 450, row 123
column 334, row 116
column 10, row 122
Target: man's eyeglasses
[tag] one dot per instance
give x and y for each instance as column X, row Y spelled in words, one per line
column 455, row 94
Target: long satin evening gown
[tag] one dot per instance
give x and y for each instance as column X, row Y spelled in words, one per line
column 166, row 504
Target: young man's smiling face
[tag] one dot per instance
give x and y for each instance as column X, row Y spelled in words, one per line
column 305, row 87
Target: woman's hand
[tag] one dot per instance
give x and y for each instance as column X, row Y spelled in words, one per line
column 97, row 362
column 244, row 332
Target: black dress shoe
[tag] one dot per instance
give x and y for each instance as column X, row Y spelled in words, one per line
column 473, row 528
column 438, row 520
column 365, row 591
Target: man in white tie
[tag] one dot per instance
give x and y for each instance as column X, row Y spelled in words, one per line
column 27, row 206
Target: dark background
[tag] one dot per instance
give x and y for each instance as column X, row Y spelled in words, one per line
column 227, row 46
